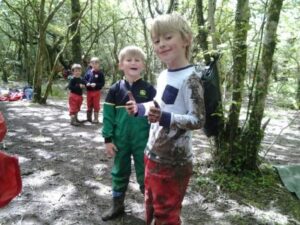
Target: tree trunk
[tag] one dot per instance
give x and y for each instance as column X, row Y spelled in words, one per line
column 211, row 22
column 76, row 43
column 298, row 87
column 4, row 75
column 239, row 52
column 38, row 69
column 254, row 133
column 202, row 31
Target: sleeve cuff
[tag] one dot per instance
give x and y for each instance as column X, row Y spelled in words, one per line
column 141, row 110
column 165, row 119
column 107, row 140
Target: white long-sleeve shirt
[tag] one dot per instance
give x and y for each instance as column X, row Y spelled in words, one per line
column 180, row 97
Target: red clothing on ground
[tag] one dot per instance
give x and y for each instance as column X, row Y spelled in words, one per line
column 10, row 178
column 93, row 100
column 165, row 187
column 75, row 102
column 3, row 128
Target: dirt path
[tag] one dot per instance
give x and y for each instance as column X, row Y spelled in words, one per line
column 66, row 175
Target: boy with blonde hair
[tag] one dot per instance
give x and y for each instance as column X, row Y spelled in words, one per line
column 177, row 109
column 126, row 135
column 94, row 80
column 76, row 84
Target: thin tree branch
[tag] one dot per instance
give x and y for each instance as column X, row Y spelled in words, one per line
column 278, row 135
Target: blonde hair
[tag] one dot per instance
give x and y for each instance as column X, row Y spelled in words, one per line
column 94, row 59
column 75, row 66
column 131, row 50
column 170, row 23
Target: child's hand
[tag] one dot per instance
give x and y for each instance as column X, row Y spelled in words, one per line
column 154, row 113
column 88, row 84
column 131, row 105
column 82, row 86
column 110, row 149
column 93, row 84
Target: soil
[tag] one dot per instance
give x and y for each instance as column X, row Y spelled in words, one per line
column 66, row 174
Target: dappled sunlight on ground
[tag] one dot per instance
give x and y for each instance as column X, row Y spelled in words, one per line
column 66, row 174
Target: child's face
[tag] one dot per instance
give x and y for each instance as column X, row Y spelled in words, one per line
column 77, row 72
column 132, row 66
column 95, row 65
column 171, row 49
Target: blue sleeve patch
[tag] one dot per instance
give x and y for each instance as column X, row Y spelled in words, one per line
column 169, row 95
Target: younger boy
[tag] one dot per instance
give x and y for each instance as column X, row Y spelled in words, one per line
column 94, row 80
column 126, row 135
column 76, row 84
column 178, row 108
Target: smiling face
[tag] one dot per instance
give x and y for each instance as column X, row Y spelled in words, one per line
column 77, row 72
column 132, row 66
column 171, row 49
column 171, row 38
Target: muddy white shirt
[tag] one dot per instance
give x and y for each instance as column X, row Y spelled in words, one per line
column 180, row 96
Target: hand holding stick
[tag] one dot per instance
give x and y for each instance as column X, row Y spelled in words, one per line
column 131, row 105
column 154, row 113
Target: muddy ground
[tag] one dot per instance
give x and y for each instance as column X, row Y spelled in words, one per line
column 66, row 175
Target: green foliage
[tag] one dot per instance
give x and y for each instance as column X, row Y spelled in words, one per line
column 283, row 92
column 59, row 90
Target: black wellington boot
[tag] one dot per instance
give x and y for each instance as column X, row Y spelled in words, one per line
column 115, row 210
column 89, row 116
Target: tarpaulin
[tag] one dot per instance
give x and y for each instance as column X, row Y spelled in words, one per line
column 290, row 177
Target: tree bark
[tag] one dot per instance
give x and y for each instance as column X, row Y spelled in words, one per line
column 202, row 31
column 76, row 41
column 39, row 68
column 298, row 87
column 254, row 132
column 239, row 71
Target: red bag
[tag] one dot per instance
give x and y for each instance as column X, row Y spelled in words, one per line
column 10, row 178
column 3, row 128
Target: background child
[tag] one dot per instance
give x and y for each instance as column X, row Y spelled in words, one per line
column 94, row 80
column 76, row 84
column 178, row 108
column 125, row 135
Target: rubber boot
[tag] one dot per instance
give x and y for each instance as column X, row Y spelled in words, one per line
column 77, row 120
column 115, row 210
column 73, row 121
column 96, row 117
column 89, row 116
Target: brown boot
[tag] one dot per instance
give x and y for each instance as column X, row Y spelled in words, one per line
column 115, row 210
column 89, row 116
column 96, row 117
column 73, row 121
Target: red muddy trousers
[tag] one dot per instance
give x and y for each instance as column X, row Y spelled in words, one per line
column 75, row 102
column 93, row 101
column 165, row 187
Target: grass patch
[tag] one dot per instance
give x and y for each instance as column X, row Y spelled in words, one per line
column 262, row 190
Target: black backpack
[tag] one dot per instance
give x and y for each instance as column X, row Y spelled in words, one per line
column 212, row 99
